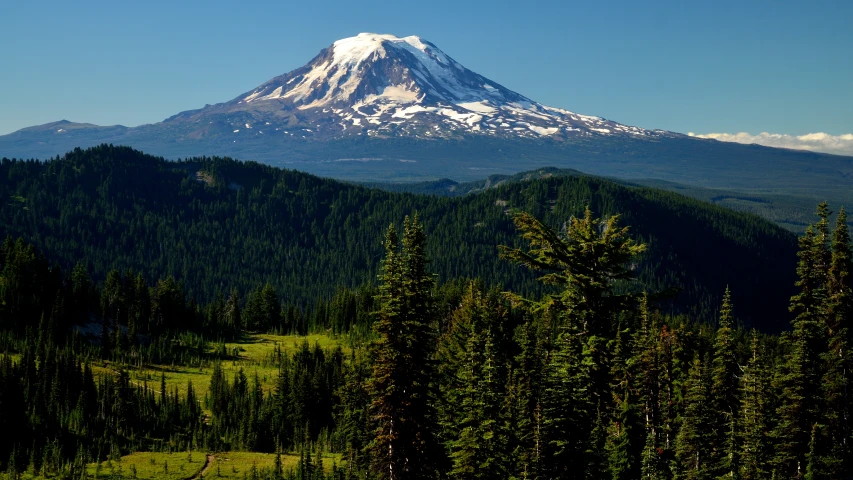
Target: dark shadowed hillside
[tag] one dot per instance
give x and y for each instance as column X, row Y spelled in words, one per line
column 214, row 223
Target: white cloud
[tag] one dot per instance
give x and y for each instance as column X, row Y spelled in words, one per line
column 817, row 142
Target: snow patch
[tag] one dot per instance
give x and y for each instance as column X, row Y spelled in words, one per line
column 393, row 94
column 409, row 112
column 479, row 107
column 543, row 130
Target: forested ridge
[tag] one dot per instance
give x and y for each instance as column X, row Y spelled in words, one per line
column 216, row 224
column 587, row 371
column 442, row 381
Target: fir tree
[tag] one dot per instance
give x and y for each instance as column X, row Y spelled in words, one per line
column 724, row 386
column 691, row 443
column 752, row 418
column 836, row 380
column 799, row 383
column 587, row 259
column 567, row 407
column 524, row 401
column 404, row 443
column 480, row 449
column 233, row 318
column 270, row 307
column 820, row 465
column 622, row 458
column 645, row 370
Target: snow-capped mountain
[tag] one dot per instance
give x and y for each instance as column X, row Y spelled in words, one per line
column 379, row 107
column 383, row 85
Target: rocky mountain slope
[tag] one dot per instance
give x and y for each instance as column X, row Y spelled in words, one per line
column 382, row 85
column 379, row 107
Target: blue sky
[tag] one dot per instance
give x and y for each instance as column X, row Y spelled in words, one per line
column 784, row 67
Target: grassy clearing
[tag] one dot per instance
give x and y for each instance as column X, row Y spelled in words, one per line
column 260, row 347
column 184, row 465
column 254, row 354
column 166, row 466
column 234, row 464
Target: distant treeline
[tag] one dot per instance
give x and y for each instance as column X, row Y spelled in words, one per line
column 215, row 225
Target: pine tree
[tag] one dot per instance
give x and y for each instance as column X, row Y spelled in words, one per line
column 621, row 448
column 838, row 360
column 270, row 307
column 625, row 433
column 691, row 443
column 650, row 464
column 352, row 418
column 479, row 450
column 232, row 316
column 799, row 383
column 525, row 402
column 493, row 427
column 454, row 354
column 567, row 407
column 819, row 464
column 645, row 370
column 251, row 312
column 404, row 443
column 587, row 259
column 724, row 386
column 752, row 418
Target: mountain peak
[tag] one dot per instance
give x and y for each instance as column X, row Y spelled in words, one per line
column 370, row 68
column 357, row 49
column 383, row 85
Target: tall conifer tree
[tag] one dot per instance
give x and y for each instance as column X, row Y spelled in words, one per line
column 586, row 259
column 479, row 450
column 837, row 376
column 799, row 382
column 724, row 388
column 691, row 443
column 404, row 444
column 752, row 418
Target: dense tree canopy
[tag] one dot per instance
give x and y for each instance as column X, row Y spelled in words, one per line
column 215, row 224
column 588, row 375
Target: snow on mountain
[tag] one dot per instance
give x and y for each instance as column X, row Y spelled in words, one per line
column 383, row 85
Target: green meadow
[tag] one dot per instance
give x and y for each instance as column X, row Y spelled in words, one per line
column 187, row 465
column 254, row 354
column 235, row 464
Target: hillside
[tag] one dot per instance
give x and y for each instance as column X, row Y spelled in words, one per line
column 791, row 212
column 382, row 108
column 217, row 223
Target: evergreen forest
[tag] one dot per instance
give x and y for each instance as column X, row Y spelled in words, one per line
column 214, row 224
column 561, row 328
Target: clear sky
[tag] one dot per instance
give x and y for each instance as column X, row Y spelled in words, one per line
column 782, row 66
